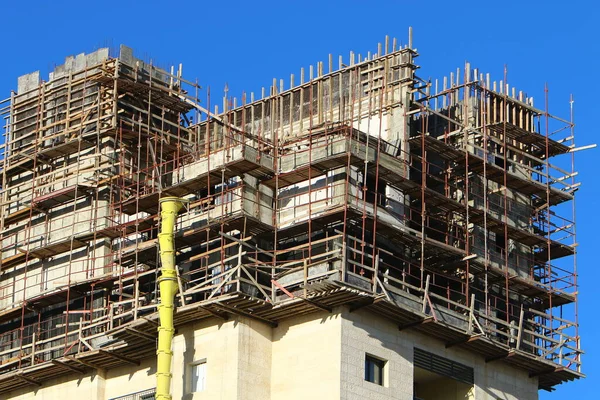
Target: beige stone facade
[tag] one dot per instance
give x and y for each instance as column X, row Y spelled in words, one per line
column 316, row 356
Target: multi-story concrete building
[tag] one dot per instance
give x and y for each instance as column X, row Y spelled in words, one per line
column 363, row 234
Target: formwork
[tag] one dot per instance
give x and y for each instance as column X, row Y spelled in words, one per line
column 435, row 204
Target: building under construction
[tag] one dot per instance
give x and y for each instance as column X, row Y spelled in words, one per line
column 357, row 233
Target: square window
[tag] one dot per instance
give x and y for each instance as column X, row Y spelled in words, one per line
column 374, row 369
column 198, row 377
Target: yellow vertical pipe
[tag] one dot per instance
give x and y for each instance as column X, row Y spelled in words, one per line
column 169, row 207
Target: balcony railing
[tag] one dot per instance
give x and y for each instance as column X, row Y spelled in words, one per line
column 147, row 394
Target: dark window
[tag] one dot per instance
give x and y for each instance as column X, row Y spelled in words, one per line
column 500, row 242
column 374, row 369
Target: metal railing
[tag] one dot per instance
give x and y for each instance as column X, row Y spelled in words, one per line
column 147, row 394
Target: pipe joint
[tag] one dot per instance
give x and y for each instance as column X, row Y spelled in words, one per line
column 167, row 278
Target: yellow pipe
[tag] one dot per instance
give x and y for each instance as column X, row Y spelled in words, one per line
column 169, row 207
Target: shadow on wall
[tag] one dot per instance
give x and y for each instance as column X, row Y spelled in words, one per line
column 282, row 329
column 189, row 356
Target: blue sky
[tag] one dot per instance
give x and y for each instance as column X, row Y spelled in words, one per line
column 246, row 44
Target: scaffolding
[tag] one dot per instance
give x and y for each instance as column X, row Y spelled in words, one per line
column 366, row 186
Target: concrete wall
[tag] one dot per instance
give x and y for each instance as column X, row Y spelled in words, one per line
column 363, row 332
column 306, row 358
column 319, row 356
column 215, row 342
column 53, row 272
column 350, row 94
column 82, row 216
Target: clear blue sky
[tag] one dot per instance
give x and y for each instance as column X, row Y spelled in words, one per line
column 248, row 43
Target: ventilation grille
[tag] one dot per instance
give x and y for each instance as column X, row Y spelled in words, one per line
column 443, row 366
